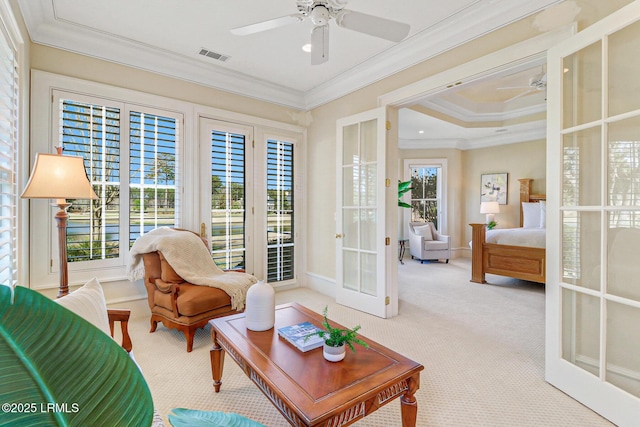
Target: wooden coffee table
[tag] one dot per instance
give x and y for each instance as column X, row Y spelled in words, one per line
column 306, row 389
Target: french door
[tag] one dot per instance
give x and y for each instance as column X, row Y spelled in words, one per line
column 593, row 280
column 360, row 212
column 226, row 193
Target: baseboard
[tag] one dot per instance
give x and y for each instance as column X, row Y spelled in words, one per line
column 321, row 284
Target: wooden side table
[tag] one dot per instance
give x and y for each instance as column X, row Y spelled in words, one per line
column 401, row 246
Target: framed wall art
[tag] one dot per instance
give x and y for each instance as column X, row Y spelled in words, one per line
column 494, row 188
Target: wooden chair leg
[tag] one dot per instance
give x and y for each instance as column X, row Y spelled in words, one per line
column 154, row 325
column 189, row 333
column 122, row 316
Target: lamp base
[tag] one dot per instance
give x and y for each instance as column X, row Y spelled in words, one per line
column 491, row 218
column 61, row 219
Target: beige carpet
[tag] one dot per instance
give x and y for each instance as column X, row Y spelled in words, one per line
column 482, row 347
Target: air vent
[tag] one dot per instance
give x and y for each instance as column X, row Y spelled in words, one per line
column 214, row 55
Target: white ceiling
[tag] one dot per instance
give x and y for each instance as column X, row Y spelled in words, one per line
column 504, row 107
column 166, row 36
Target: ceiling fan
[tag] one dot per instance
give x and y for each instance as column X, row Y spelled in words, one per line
column 321, row 12
column 537, row 83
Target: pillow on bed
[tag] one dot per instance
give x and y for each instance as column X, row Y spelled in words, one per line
column 543, row 214
column 424, row 231
column 531, row 212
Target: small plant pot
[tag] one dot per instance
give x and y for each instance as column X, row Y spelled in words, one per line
column 333, row 354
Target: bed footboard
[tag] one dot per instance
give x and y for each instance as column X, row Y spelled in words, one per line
column 519, row 262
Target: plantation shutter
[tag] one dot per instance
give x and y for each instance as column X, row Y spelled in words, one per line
column 93, row 133
column 8, row 160
column 280, row 211
column 228, row 228
column 152, row 173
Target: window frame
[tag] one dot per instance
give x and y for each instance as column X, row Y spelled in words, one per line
column 442, row 188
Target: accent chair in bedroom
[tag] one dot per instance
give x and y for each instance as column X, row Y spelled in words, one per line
column 426, row 243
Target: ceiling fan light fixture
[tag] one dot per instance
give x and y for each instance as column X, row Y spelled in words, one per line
column 306, row 47
column 320, row 15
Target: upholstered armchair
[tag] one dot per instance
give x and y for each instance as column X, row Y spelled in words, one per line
column 177, row 303
column 426, row 243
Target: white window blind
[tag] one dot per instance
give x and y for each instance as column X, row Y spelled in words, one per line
column 8, row 160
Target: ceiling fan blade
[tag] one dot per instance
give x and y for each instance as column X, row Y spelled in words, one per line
column 513, row 87
column 319, row 44
column 521, row 94
column 372, row 25
column 267, row 25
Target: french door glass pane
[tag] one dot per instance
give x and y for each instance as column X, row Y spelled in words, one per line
column 581, row 322
column 623, row 363
column 351, row 184
column 624, row 162
column 582, row 158
column 368, row 224
column 350, row 228
column 350, row 275
column 368, row 188
column 582, row 86
column 368, row 139
column 622, row 258
column 624, row 63
column 581, row 248
column 368, row 268
column 228, row 199
column 350, row 152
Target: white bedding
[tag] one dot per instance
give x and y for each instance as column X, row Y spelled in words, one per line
column 532, row 237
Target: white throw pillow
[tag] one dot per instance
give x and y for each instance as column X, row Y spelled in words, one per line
column 424, row 231
column 531, row 212
column 88, row 302
column 543, row 214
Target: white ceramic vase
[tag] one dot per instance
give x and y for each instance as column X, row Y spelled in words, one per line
column 260, row 309
column 334, row 354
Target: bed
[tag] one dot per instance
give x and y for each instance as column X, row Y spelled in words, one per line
column 511, row 252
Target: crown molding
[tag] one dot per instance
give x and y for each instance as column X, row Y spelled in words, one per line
column 472, row 22
column 530, row 132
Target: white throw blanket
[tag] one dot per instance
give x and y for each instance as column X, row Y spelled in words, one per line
column 191, row 260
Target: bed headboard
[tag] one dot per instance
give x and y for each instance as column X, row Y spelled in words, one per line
column 527, row 196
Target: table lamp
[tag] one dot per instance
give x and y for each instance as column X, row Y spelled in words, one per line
column 55, row 176
column 490, row 208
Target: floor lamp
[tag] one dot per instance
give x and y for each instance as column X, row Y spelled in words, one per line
column 55, row 176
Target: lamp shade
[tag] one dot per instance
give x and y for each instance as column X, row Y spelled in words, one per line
column 489, row 207
column 55, row 176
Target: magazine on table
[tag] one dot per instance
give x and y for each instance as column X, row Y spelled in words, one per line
column 296, row 334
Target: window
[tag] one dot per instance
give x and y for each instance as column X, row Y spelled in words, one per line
column 8, row 160
column 426, row 194
column 132, row 167
column 280, row 204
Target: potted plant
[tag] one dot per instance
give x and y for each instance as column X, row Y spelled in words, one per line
column 403, row 187
column 336, row 339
